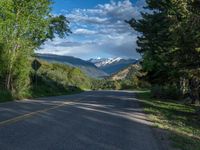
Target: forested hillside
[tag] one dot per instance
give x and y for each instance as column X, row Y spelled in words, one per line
column 53, row 79
column 56, row 79
column 129, row 78
column 89, row 68
column 127, row 73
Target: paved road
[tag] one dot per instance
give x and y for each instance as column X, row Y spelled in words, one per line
column 100, row 120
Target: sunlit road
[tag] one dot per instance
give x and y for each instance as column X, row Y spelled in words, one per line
column 100, row 120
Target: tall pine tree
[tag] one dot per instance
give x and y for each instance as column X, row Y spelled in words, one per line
column 169, row 42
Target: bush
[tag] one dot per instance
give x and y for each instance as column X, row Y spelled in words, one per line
column 165, row 92
column 127, row 84
column 144, row 85
column 5, row 95
column 57, row 79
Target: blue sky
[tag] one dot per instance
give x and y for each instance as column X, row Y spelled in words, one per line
column 98, row 28
column 60, row 5
column 71, row 4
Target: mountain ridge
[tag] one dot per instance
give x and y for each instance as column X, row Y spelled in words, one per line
column 127, row 73
column 89, row 68
column 113, row 65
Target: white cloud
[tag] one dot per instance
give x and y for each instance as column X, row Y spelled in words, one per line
column 84, row 32
column 100, row 32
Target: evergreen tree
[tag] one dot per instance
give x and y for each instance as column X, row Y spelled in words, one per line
column 169, row 41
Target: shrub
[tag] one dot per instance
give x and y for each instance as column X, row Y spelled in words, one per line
column 165, row 92
column 5, row 95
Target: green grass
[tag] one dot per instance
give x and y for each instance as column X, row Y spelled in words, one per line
column 57, row 79
column 52, row 80
column 179, row 119
column 51, row 89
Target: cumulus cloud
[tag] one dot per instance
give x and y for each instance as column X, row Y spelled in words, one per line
column 84, row 32
column 99, row 32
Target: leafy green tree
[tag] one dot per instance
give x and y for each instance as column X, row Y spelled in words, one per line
column 24, row 26
column 170, row 41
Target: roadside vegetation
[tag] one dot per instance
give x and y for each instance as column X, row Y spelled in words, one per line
column 125, row 84
column 58, row 79
column 24, row 27
column 129, row 78
column 180, row 120
column 169, row 43
column 53, row 79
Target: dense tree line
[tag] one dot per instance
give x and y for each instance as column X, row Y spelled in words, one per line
column 170, row 44
column 24, row 26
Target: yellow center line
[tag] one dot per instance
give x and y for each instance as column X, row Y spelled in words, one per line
column 31, row 114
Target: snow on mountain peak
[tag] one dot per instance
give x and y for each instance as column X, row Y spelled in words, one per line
column 113, row 65
column 100, row 62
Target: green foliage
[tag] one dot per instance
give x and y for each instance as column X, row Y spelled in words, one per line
column 64, row 75
column 129, row 84
column 165, row 92
column 24, row 26
column 124, row 84
column 52, row 80
column 169, row 40
column 105, row 84
column 5, row 96
column 59, row 26
column 130, row 78
column 46, row 86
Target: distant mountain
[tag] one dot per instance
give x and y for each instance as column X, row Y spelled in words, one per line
column 88, row 67
column 113, row 65
column 101, row 62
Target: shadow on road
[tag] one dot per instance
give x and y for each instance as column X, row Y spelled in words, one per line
column 100, row 120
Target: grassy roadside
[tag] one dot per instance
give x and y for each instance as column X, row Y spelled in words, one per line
column 52, row 80
column 39, row 92
column 43, row 91
column 180, row 120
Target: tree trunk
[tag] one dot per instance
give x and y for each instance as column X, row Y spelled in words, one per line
column 184, row 84
column 194, row 91
column 8, row 82
column 195, row 99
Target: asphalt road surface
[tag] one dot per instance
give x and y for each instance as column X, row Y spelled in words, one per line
column 99, row 120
